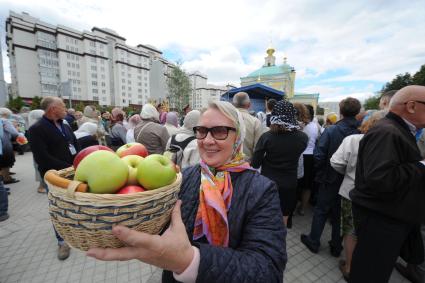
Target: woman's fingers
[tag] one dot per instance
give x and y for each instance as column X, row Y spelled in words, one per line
column 134, row 238
column 176, row 217
column 125, row 253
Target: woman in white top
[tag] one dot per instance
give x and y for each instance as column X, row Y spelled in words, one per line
column 132, row 122
column 312, row 129
column 190, row 152
column 344, row 161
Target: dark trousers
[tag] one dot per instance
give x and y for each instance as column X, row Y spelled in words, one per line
column 4, row 201
column 379, row 241
column 328, row 204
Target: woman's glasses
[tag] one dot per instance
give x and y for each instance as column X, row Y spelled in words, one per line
column 218, row 133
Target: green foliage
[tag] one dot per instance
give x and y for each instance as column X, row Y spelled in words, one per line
column 419, row 77
column 400, row 81
column 36, row 101
column 15, row 104
column 372, row 102
column 320, row 110
column 179, row 89
column 79, row 106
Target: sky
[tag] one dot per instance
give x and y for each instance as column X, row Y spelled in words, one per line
column 338, row 48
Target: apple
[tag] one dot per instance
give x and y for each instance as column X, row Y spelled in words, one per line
column 132, row 161
column 103, row 171
column 155, row 171
column 80, row 156
column 130, row 190
column 132, row 148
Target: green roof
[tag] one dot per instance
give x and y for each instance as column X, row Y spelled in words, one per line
column 271, row 70
column 306, row 95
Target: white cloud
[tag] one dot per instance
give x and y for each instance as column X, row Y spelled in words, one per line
column 330, row 93
column 368, row 40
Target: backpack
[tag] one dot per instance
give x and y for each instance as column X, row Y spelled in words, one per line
column 175, row 151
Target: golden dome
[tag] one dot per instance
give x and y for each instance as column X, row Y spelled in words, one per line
column 270, row 50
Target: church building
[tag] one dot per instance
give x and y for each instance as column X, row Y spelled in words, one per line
column 279, row 77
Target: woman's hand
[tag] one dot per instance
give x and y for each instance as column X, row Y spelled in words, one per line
column 171, row 251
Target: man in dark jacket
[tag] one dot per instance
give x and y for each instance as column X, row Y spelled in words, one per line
column 328, row 201
column 54, row 146
column 389, row 194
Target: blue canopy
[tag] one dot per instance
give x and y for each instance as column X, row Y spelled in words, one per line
column 258, row 93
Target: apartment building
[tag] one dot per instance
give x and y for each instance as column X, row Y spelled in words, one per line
column 94, row 65
column 202, row 92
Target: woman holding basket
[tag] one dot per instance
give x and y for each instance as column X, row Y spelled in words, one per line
column 227, row 226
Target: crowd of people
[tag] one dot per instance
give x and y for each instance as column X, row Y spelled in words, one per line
column 246, row 176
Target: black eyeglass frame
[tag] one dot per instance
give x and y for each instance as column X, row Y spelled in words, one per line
column 211, row 130
column 418, row 101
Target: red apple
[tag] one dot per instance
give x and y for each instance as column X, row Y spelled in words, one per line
column 131, row 190
column 132, row 148
column 82, row 154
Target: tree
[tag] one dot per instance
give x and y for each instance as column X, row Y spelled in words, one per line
column 79, row 106
column 398, row 82
column 15, row 104
column 36, row 101
column 372, row 102
column 320, row 110
column 179, row 88
column 419, row 77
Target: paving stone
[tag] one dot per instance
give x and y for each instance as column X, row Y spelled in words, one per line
column 28, row 247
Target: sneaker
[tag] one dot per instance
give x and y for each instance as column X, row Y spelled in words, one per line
column 4, row 217
column 306, row 241
column 10, row 181
column 63, row 251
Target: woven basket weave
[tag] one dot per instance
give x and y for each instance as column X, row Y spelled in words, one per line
column 85, row 220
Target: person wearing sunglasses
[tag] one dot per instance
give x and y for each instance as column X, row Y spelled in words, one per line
column 389, row 194
column 227, row 225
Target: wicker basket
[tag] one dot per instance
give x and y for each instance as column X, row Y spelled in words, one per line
column 85, row 220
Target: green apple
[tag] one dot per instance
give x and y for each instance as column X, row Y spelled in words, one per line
column 155, row 171
column 103, row 171
column 132, row 161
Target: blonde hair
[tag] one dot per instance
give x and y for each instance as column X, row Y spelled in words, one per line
column 369, row 123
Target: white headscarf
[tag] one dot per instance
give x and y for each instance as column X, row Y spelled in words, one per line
column 190, row 120
column 34, row 116
column 233, row 114
column 149, row 112
column 86, row 129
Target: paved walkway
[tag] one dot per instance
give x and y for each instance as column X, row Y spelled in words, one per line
column 28, row 247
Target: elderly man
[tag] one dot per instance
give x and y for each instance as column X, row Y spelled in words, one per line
column 54, row 146
column 389, row 194
column 253, row 126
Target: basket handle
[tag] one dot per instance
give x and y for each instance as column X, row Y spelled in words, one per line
column 72, row 187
